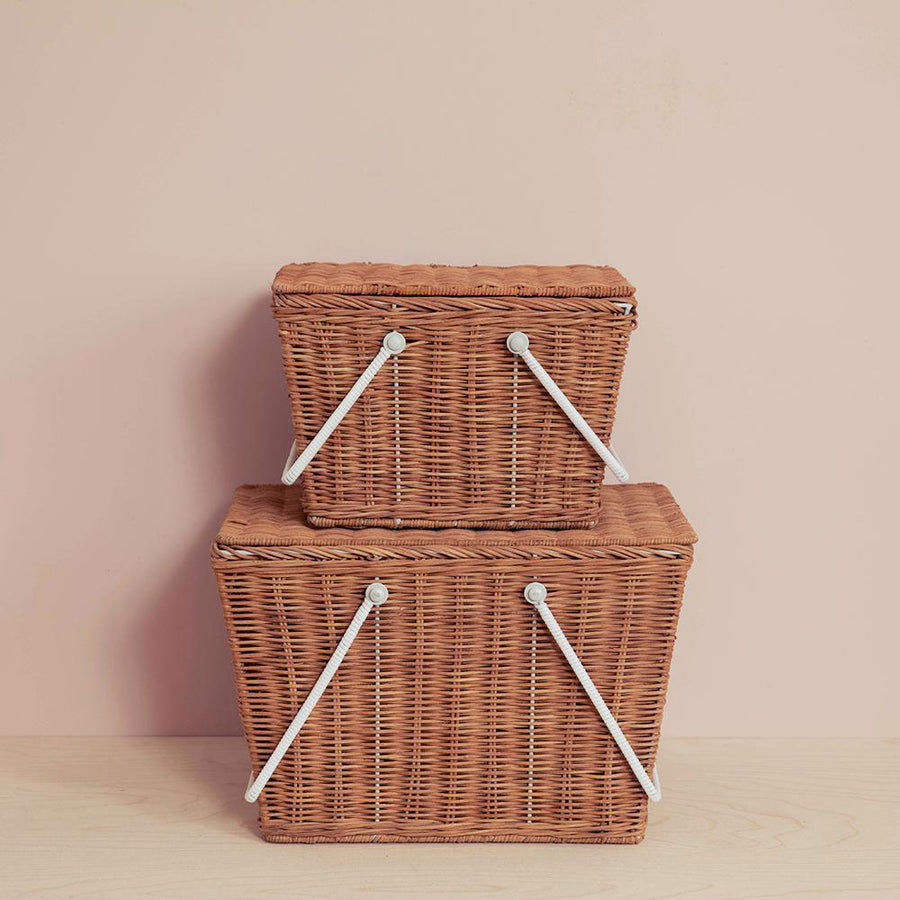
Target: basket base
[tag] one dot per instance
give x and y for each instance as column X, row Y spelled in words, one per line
column 281, row 837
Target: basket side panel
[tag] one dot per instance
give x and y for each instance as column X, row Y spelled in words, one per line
column 454, row 716
column 455, row 430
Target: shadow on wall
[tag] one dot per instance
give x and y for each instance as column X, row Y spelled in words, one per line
column 241, row 419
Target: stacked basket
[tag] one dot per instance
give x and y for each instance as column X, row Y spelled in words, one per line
column 449, row 630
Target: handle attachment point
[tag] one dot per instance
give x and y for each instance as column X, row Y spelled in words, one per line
column 517, row 342
column 377, row 593
column 394, row 342
column 535, row 593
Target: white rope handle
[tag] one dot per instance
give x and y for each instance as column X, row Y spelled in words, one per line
column 536, row 595
column 393, row 344
column 517, row 343
column 376, row 594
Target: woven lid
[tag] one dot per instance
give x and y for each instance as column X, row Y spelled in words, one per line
column 631, row 515
column 451, row 281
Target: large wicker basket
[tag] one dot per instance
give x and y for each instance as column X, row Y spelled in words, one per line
column 455, row 431
column 454, row 715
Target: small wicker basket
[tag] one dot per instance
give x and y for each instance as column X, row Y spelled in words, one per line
column 449, row 713
column 456, row 431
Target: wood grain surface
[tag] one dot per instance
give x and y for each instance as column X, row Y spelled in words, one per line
column 164, row 817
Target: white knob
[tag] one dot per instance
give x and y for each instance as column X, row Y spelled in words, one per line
column 376, row 593
column 535, row 593
column 394, row 342
column 517, row 342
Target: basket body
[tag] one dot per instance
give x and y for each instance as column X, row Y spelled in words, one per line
column 455, row 431
column 454, row 717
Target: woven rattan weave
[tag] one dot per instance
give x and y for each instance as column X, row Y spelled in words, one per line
column 454, row 717
column 455, row 430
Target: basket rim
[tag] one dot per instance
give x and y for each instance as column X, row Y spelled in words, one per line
column 363, row 278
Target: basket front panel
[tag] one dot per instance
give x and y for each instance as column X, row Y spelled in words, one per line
column 454, row 715
column 455, row 429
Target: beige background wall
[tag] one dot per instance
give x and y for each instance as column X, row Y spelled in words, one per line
column 738, row 161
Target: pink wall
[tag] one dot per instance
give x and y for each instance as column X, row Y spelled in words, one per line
column 737, row 162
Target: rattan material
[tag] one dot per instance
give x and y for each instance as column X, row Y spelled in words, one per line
column 455, row 431
column 451, row 281
column 454, row 717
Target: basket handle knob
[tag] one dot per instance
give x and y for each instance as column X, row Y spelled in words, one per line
column 536, row 595
column 518, row 344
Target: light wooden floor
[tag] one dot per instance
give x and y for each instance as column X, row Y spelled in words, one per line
column 165, row 818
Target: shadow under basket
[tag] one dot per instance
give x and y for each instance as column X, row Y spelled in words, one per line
column 460, row 685
column 443, row 391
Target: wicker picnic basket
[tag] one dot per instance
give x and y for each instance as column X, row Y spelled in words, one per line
column 470, row 705
column 475, row 419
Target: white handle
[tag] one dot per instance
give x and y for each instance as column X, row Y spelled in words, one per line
column 393, row 344
column 376, row 594
column 536, row 595
column 517, row 343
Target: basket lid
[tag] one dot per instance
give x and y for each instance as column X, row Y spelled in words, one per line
column 451, row 281
column 631, row 515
